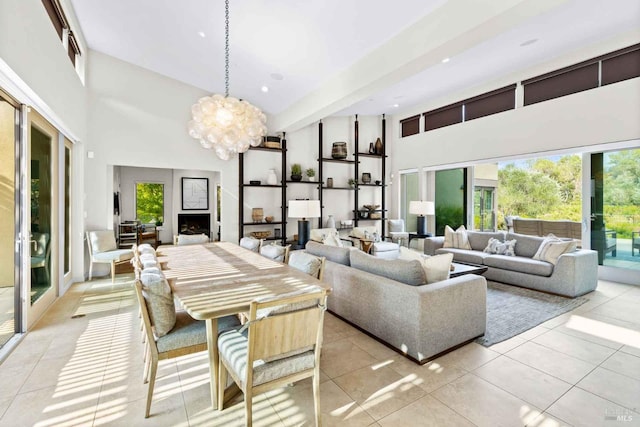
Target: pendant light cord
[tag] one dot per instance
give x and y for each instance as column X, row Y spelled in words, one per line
column 226, row 48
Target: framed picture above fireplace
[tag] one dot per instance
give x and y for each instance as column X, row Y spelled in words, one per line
column 195, row 194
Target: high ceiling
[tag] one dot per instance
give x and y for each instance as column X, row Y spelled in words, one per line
column 326, row 57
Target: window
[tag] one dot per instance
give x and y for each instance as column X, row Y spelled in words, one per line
column 60, row 23
column 410, row 126
column 150, row 202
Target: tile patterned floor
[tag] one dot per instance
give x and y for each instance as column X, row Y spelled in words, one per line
column 579, row 369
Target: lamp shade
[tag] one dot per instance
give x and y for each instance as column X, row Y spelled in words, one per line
column 422, row 208
column 304, row 208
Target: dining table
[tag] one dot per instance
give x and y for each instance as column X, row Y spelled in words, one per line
column 219, row 279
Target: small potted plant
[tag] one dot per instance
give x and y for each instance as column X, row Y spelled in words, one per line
column 352, row 182
column 311, row 172
column 296, row 172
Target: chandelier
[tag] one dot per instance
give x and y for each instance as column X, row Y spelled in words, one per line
column 224, row 123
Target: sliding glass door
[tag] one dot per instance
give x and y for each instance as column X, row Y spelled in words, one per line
column 409, row 190
column 9, row 225
column 451, row 199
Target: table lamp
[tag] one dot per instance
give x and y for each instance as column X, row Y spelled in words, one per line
column 304, row 209
column 422, row 209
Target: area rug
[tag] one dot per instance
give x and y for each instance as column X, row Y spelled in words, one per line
column 512, row 310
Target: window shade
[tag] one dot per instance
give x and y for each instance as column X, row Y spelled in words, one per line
column 410, row 126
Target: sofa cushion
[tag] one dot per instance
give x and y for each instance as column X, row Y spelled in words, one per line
column 191, row 239
column 526, row 246
column 332, row 239
column 520, row 264
column 331, row 253
column 305, row 262
column 456, row 239
column 464, row 255
column 552, row 247
column 408, row 272
column 250, row 243
column 480, row 239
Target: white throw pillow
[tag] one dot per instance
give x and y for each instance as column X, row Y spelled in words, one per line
column 332, row 239
column 361, row 232
column 159, row 299
column 251, row 243
column 456, row 239
column 305, row 262
column 318, row 234
column 552, row 247
column 437, row 267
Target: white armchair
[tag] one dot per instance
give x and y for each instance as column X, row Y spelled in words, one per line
column 104, row 250
column 397, row 232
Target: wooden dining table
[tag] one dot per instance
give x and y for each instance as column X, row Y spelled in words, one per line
column 213, row 280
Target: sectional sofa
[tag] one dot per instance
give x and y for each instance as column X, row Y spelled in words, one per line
column 390, row 300
column 575, row 273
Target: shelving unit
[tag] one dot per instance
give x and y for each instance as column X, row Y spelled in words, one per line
column 127, row 235
column 283, row 193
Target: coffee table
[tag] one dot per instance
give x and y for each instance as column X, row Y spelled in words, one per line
column 460, row 269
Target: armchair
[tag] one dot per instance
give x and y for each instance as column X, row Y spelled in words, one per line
column 103, row 249
column 41, row 253
column 397, row 232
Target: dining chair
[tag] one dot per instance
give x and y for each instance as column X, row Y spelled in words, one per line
column 186, row 337
column 276, row 252
column 104, row 250
column 307, row 263
column 41, row 253
column 251, row 243
column 279, row 345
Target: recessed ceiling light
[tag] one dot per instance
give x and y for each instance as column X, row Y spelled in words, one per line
column 277, row 76
column 528, row 42
column 265, row 89
column 202, row 34
column 396, row 105
column 445, row 60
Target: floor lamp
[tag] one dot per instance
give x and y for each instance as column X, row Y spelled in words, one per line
column 304, row 209
column 422, row 209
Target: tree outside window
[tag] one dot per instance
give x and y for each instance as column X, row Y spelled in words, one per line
column 150, row 203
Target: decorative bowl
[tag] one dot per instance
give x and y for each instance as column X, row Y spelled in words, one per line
column 268, row 218
column 260, row 234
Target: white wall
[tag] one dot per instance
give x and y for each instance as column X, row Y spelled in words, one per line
column 138, row 118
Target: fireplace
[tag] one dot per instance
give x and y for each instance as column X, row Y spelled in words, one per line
column 194, row 224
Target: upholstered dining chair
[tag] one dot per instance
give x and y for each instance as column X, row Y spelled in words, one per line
column 186, row 337
column 251, row 243
column 276, row 252
column 307, row 263
column 104, row 250
column 41, row 252
column 279, row 345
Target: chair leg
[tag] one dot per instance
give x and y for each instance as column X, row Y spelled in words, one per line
column 316, row 397
column 152, row 382
column 222, row 383
column 248, row 407
column 90, row 270
column 113, row 272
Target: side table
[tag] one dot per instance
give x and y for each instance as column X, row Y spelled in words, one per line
column 417, row 236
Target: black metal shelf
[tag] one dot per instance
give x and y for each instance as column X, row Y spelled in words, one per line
column 277, row 150
column 302, row 182
column 262, row 185
column 338, row 188
column 331, row 159
column 262, row 223
column 370, row 185
column 379, row 156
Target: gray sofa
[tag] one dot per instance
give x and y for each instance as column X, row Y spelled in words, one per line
column 576, row 273
column 420, row 320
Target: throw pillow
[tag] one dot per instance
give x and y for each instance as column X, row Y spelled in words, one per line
column 274, row 252
column 409, row 255
column 495, row 246
column 332, row 239
column 159, row 299
column 552, row 247
column 437, row 267
column 192, row 239
column 456, row 239
column 250, row 243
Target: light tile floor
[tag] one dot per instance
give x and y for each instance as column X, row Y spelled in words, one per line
column 581, row 369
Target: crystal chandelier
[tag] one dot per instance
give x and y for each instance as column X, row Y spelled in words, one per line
column 224, row 123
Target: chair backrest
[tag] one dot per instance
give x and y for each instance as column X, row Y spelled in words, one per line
column 101, row 241
column 396, row 225
column 43, row 248
column 144, row 313
column 190, row 239
column 276, row 252
column 307, row 263
column 251, row 243
column 286, row 325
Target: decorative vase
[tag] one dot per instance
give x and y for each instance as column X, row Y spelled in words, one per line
column 366, row 177
column 331, row 222
column 372, row 149
column 379, row 147
column 329, row 182
column 272, row 178
column 257, row 214
column 339, row 150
